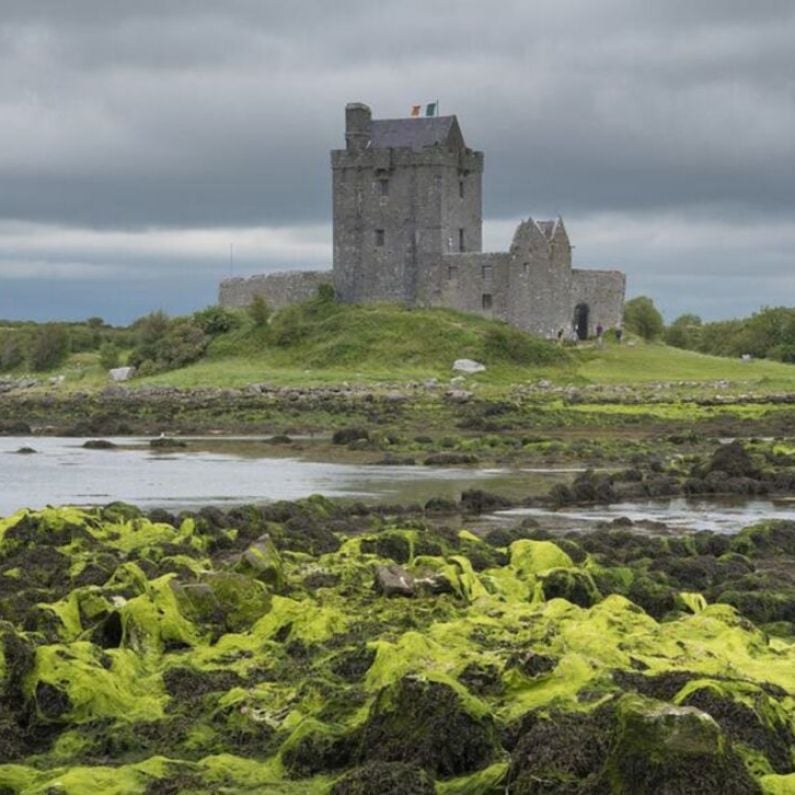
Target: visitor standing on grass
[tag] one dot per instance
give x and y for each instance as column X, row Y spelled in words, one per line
column 599, row 332
column 619, row 333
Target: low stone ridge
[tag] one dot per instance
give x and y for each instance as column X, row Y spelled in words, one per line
column 248, row 650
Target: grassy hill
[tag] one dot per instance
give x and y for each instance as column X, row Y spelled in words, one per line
column 322, row 342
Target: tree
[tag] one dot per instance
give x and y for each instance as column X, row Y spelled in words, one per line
column 684, row 332
column 642, row 318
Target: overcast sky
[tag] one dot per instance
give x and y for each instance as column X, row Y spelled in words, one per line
column 139, row 140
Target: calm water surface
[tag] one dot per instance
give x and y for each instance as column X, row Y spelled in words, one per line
column 227, row 472
column 217, row 472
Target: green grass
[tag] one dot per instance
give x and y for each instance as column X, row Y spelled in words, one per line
column 640, row 363
column 323, row 343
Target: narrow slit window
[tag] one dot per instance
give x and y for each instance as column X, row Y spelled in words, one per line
column 461, row 240
column 383, row 187
column 486, row 300
column 379, row 237
column 461, row 188
column 526, row 268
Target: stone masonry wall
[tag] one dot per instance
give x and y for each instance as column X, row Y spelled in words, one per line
column 394, row 212
column 277, row 289
column 603, row 292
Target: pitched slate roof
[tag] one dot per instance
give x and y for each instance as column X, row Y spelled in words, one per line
column 413, row 134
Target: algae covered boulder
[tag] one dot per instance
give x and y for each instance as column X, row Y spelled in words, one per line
column 385, row 778
column 426, row 723
column 561, row 752
column 571, row 584
column 663, row 748
column 262, row 561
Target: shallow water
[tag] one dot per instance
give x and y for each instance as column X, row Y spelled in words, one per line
column 220, row 472
column 723, row 515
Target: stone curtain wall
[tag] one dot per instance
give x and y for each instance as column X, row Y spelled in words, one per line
column 603, row 291
column 537, row 295
column 277, row 289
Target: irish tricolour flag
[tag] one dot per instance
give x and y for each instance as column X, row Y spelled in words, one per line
column 427, row 109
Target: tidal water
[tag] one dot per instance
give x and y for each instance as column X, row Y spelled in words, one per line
column 720, row 515
column 227, row 472
column 219, row 472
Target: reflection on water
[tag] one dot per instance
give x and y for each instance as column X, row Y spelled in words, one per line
column 723, row 515
column 217, row 472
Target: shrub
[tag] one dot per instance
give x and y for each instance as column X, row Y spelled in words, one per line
column 108, row 356
column 215, row 320
column 259, row 312
column 512, row 345
column 12, row 352
column 165, row 344
column 49, row 346
column 326, row 292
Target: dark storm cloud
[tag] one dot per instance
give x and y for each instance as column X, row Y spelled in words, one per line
column 197, row 114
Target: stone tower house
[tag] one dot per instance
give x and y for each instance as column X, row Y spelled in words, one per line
column 407, row 217
column 405, row 191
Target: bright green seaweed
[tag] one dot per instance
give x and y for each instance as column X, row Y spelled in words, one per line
column 226, row 676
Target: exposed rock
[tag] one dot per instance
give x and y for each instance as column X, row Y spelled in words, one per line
column 121, row 373
column 393, row 580
column 99, row 444
column 468, row 366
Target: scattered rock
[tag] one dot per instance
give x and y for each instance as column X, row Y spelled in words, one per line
column 468, row 366
column 99, row 444
column 393, row 580
column 121, row 373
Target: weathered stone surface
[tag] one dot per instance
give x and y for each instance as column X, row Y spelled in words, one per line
column 407, row 213
column 121, row 373
column 468, row 366
column 393, row 580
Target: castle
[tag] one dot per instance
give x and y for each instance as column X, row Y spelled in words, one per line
column 407, row 207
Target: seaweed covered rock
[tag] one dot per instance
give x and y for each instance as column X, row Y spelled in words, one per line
column 664, row 748
column 426, row 723
column 748, row 716
column 262, row 561
column 734, row 460
column 385, row 778
column 576, row 586
column 561, row 752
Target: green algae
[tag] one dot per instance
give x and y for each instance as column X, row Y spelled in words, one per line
column 251, row 675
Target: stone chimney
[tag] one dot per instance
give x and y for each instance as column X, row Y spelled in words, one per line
column 357, row 126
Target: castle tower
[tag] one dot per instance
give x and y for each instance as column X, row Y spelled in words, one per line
column 406, row 192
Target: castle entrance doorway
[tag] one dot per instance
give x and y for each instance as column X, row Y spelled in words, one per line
column 581, row 321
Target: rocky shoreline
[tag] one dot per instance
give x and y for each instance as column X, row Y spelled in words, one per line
column 314, row 647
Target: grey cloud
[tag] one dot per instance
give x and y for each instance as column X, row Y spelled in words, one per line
column 119, row 115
